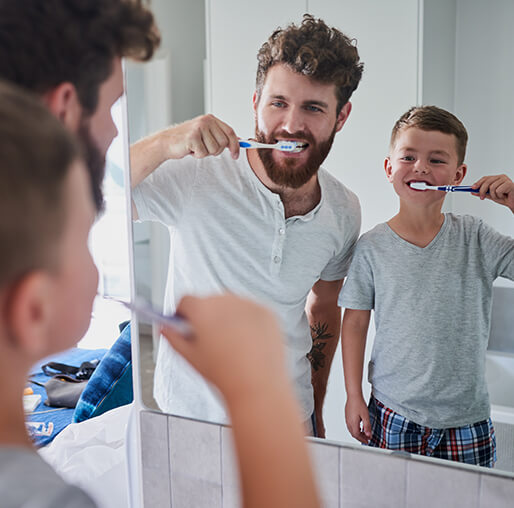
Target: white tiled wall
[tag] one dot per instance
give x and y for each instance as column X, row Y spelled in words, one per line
column 190, row 464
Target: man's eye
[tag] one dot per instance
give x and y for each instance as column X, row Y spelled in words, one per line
column 278, row 104
column 314, row 109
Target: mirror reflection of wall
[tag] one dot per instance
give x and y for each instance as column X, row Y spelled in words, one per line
column 107, row 238
column 433, row 56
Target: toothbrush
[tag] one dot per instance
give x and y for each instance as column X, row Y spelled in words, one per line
column 144, row 309
column 444, row 188
column 284, row 146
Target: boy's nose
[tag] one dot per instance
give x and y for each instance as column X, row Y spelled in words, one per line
column 420, row 167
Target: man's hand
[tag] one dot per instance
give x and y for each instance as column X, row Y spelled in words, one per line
column 200, row 137
column 500, row 188
column 356, row 412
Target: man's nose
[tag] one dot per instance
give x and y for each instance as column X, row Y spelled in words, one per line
column 293, row 120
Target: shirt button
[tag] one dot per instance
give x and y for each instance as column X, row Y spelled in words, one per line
column 282, row 231
column 276, row 259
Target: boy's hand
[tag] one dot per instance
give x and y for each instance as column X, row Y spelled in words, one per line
column 236, row 344
column 356, row 411
column 500, row 187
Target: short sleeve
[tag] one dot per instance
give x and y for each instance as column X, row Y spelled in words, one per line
column 338, row 266
column 498, row 251
column 164, row 195
column 358, row 291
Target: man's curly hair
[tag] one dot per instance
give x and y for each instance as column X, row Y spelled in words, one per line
column 314, row 50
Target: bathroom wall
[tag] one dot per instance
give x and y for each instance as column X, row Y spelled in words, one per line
column 187, row 464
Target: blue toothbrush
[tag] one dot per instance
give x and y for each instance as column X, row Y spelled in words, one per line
column 284, row 146
column 444, row 188
column 144, row 309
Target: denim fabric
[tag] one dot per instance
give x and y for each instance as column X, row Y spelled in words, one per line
column 110, row 385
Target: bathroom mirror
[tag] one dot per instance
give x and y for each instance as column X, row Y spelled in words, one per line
column 429, row 52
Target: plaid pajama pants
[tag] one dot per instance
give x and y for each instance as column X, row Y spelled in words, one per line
column 471, row 444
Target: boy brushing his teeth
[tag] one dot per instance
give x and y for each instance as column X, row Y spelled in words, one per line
column 428, row 276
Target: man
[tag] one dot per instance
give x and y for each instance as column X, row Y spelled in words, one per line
column 269, row 224
column 69, row 53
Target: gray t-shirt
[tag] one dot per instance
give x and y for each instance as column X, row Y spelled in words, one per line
column 229, row 232
column 27, row 481
column 432, row 316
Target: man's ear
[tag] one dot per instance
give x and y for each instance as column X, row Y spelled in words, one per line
column 388, row 168
column 28, row 314
column 460, row 174
column 255, row 103
column 63, row 102
column 343, row 115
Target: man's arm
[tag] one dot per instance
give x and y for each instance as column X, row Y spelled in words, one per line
column 200, row 137
column 324, row 317
column 354, row 332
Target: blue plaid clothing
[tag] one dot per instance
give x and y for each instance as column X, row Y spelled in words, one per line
column 471, row 444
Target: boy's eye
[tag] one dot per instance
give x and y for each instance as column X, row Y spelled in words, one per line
column 407, row 158
column 437, row 161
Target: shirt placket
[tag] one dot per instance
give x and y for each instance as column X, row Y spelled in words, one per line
column 277, row 249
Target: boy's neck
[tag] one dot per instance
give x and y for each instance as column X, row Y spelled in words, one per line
column 13, row 378
column 417, row 225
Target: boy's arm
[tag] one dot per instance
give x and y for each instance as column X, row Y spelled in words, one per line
column 500, row 188
column 324, row 317
column 353, row 344
column 234, row 342
column 200, row 137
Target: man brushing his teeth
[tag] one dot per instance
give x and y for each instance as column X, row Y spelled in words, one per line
column 262, row 223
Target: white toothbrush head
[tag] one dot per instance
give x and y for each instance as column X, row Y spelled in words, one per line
column 418, row 185
column 288, row 146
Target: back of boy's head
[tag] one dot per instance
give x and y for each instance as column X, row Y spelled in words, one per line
column 432, row 118
column 36, row 153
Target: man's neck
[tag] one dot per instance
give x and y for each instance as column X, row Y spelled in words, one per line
column 298, row 201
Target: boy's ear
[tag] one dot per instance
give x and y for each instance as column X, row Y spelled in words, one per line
column 343, row 115
column 460, row 174
column 64, row 103
column 388, row 168
column 28, row 314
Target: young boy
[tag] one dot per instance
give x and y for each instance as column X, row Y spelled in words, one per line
column 47, row 280
column 47, row 285
column 428, row 276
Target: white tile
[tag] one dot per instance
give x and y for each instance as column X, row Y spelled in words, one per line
column 229, row 471
column 155, row 460
column 372, row 478
column 325, row 461
column 496, row 491
column 434, row 484
column 195, row 460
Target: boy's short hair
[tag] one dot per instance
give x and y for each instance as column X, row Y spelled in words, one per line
column 314, row 50
column 36, row 153
column 432, row 118
column 44, row 43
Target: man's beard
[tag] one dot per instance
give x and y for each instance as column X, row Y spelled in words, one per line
column 288, row 173
column 95, row 163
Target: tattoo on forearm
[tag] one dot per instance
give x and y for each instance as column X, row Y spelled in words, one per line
column 316, row 356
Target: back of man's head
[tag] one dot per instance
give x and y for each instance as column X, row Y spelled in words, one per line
column 315, row 50
column 45, row 43
column 36, row 153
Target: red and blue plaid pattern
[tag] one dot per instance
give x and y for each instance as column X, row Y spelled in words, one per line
column 471, row 444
